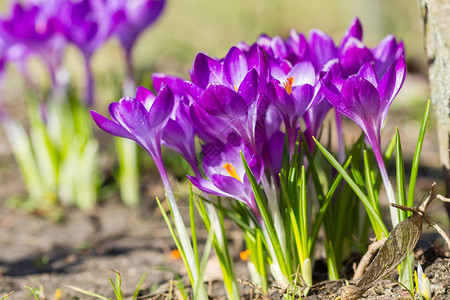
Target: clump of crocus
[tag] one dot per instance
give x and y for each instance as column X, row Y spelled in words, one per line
column 250, row 111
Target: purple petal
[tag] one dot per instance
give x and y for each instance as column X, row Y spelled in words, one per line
column 175, row 83
column 223, row 102
column 331, row 93
column 354, row 55
column 205, row 71
column 249, row 87
column 145, row 96
column 229, row 185
column 110, row 126
column 303, row 73
column 207, row 186
column 360, row 99
column 235, row 67
column 368, row 73
column 279, row 48
column 321, row 48
column 162, row 107
column 303, row 95
column 354, row 31
column 298, row 44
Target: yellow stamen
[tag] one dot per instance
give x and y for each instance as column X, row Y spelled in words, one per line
column 244, row 254
column 231, row 170
column 288, row 85
column 235, row 87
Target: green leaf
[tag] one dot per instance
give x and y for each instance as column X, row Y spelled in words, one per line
column 77, row 289
column 177, row 242
column 192, row 219
column 267, row 218
column 7, row 296
column 138, row 287
column 375, row 219
column 415, row 165
column 33, row 291
column 400, row 178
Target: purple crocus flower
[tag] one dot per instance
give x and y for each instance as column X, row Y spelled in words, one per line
column 179, row 131
column 141, row 119
column 365, row 99
column 88, row 24
column 292, row 95
column 222, row 164
column 230, row 89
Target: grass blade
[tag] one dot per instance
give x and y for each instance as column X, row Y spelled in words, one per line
column 375, row 219
column 415, row 165
column 77, row 289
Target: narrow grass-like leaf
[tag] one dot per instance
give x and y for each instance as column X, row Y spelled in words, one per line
column 192, row 219
column 34, row 292
column 138, row 286
column 373, row 215
column 266, row 216
column 400, row 178
column 177, row 242
column 415, row 164
column 323, row 208
column 77, row 289
column 370, row 180
column 7, row 296
column 205, row 257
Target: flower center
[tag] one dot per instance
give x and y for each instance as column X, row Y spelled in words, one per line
column 288, row 85
column 231, row 170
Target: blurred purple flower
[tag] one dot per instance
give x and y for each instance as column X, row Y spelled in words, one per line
column 33, row 28
column 222, row 164
column 139, row 14
column 88, row 24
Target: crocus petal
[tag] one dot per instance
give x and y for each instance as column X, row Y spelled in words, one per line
column 303, row 95
column 279, row 48
column 145, row 96
column 162, row 107
column 110, row 126
column 206, row 71
column 223, row 102
column 368, row 73
column 331, row 93
column 321, row 48
column 235, row 67
column 207, row 186
column 354, row 55
column 303, row 73
column 249, row 87
column 360, row 99
column 385, row 54
column 354, row 31
column 229, row 185
column 175, row 83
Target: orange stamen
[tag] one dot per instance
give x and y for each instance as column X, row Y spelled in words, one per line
column 288, row 85
column 244, row 254
column 231, row 170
